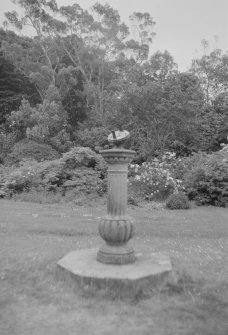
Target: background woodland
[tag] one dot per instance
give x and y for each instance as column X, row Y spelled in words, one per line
column 86, row 73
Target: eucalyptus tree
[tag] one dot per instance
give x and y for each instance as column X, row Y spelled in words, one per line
column 97, row 43
column 212, row 71
column 91, row 41
column 39, row 58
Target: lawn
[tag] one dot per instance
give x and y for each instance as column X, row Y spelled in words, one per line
column 35, row 299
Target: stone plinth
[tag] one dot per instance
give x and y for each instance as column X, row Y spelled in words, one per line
column 151, row 270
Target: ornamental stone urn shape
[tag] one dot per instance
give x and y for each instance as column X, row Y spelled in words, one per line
column 116, row 228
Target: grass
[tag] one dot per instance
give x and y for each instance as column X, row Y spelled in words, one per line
column 35, row 299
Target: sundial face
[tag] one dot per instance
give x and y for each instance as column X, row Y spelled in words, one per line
column 118, row 136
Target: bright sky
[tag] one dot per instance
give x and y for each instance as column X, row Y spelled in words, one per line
column 180, row 24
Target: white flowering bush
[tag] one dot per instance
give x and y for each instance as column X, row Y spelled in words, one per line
column 155, row 179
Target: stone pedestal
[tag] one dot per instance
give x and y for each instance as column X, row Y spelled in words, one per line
column 115, row 265
column 116, row 228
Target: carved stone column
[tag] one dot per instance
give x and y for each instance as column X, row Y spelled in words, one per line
column 116, row 228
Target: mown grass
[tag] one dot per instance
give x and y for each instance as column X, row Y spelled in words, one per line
column 36, row 299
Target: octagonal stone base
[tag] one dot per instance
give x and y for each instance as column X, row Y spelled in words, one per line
column 151, row 270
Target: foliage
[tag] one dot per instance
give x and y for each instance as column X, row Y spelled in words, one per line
column 206, row 179
column 29, row 149
column 212, row 70
column 7, row 141
column 178, row 201
column 211, row 126
column 213, row 123
column 161, row 66
column 154, row 179
column 80, row 156
column 13, row 84
column 92, row 74
column 181, row 149
column 158, row 113
column 21, row 178
column 92, row 138
column 45, row 123
column 78, row 50
column 81, row 170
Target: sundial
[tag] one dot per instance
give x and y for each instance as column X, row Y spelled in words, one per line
column 118, row 137
column 125, row 268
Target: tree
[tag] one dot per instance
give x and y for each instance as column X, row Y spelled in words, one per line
column 44, row 123
column 13, row 84
column 212, row 71
column 37, row 14
column 91, row 42
column 213, row 122
column 94, row 47
column 161, row 66
column 157, row 113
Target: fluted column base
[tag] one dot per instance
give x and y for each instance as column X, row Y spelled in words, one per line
column 116, row 232
column 116, row 254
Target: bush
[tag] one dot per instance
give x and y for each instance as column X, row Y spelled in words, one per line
column 21, row 178
column 80, row 169
column 206, row 180
column 178, row 201
column 52, row 174
column 85, row 157
column 82, row 156
column 44, row 122
column 154, row 179
column 94, row 137
column 6, row 144
column 28, row 149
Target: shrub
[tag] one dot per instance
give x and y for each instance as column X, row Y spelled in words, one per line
column 61, row 142
column 52, row 174
column 6, row 144
column 96, row 136
column 206, row 181
column 21, row 178
column 154, row 179
column 28, row 149
column 43, row 122
column 80, row 169
column 82, row 156
column 178, row 201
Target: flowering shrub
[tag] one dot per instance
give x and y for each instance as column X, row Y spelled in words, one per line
column 155, row 179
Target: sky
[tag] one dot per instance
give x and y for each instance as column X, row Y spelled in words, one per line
column 180, row 24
